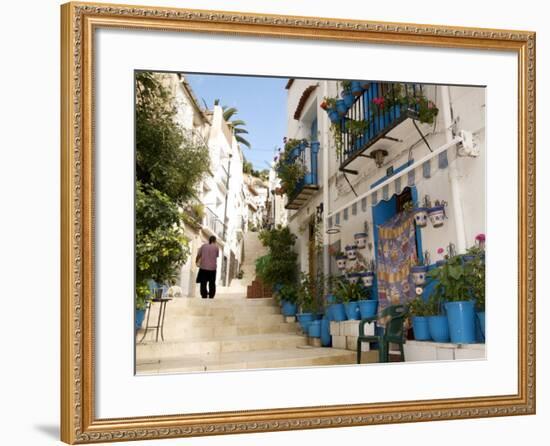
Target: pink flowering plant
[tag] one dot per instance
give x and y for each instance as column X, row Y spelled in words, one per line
column 399, row 94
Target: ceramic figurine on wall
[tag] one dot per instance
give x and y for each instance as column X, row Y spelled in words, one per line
column 437, row 213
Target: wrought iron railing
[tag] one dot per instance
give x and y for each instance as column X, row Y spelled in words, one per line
column 401, row 101
column 213, row 223
column 307, row 157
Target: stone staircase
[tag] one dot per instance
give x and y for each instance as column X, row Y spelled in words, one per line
column 228, row 332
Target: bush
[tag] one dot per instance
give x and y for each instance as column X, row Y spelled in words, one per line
column 288, row 293
column 279, row 265
column 161, row 246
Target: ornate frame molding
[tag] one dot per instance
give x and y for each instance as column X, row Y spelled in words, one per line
column 79, row 20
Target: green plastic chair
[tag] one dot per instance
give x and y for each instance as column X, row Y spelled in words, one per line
column 394, row 332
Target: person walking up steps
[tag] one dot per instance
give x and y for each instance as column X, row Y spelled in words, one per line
column 206, row 260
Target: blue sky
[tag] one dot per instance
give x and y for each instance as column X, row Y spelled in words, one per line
column 261, row 102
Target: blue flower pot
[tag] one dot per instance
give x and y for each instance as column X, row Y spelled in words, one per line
column 314, row 329
column 481, row 320
column 356, row 88
column 338, row 312
column 341, row 107
column 352, row 311
column 367, row 308
column 439, row 328
column 348, row 98
column 140, row 315
column 462, row 327
column 333, row 116
column 420, row 328
column 304, row 319
column 289, row 308
column 295, row 152
column 326, row 340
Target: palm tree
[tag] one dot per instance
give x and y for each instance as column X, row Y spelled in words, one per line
column 235, row 125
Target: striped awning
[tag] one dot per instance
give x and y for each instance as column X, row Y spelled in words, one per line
column 416, row 174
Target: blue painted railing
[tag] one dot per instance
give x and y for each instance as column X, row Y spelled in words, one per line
column 381, row 120
column 310, row 163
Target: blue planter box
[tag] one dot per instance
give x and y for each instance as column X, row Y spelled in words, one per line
column 348, row 98
column 341, row 107
column 352, row 311
column 288, row 308
column 356, row 88
column 462, row 326
column 314, row 329
column 338, row 312
column 140, row 315
column 326, row 339
column 481, row 320
column 420, row 328
column 304, row 319
column 334, row 116
column 367, row 308
column 439, row 328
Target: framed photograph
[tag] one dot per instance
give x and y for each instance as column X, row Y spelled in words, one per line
column 275, row 223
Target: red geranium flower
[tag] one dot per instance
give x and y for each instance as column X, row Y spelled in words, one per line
column 379, row 101
column 480, row 238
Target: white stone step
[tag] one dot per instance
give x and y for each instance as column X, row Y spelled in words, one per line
column 227, row 310
column 175, row 350
column 221, row 302
column 262, row 359
column 244, row 318
column 182, row 333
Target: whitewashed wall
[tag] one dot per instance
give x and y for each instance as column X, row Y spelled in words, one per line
column 469, row 110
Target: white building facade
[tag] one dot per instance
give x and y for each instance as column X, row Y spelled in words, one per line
column 220, row 201
column 356, row 184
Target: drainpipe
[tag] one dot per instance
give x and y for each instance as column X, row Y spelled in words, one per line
column 225, row 221
column 456, row 199
column 326, row 195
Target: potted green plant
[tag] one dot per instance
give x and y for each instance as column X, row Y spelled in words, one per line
column 329, row 105
column 349, row 293
column 335, row 307
column 367, row 305
column 306, row 302
column 357, row 129
column 288, row 295
column 143, row 294
column 475, row 268
column 279, row 265
column 453, row 287
column 347, row 94
column 419, row 311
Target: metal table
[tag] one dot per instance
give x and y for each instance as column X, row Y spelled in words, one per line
column 160, row 321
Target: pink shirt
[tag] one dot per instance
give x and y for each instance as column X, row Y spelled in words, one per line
column 208, row 254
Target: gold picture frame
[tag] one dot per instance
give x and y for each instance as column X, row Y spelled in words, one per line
column 78, row 24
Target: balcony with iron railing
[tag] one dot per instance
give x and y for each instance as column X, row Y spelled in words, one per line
column 213, row 224
column 306, row 156
column 381, row 109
